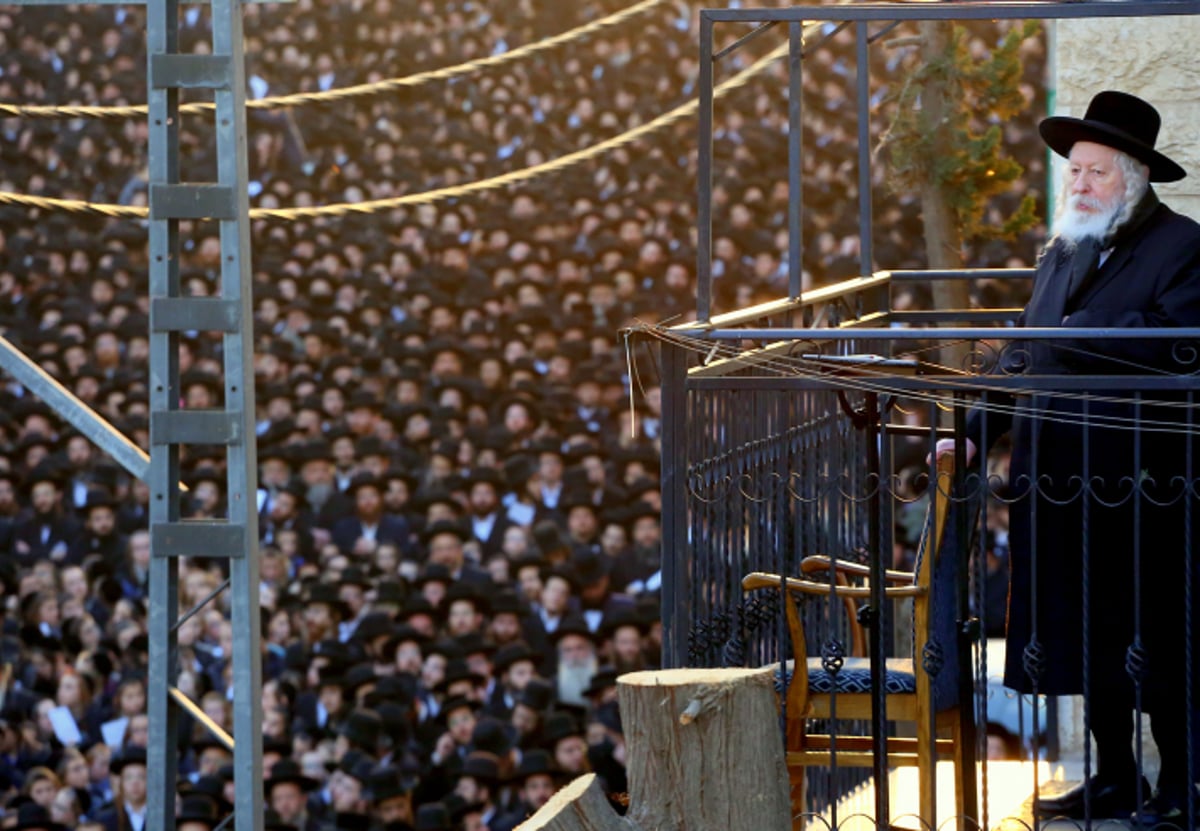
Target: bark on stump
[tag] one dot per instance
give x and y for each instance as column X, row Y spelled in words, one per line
column 704, row 754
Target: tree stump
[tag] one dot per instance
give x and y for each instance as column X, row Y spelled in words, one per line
column 580, row 806
column 704, row 754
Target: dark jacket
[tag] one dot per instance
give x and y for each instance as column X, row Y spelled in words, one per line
column 392, row 529
column 44, row 537
column 1151, row 279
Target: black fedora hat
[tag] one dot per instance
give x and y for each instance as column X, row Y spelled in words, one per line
column 288, row 771
column 1118, row 120
column 457, row 703
column 457, row 669
column 387, row 783
column 327, row 594
column 481, row 764
column 355, row 576
column 128, row 755
column 364, row 480
column 538, row 695
column 33, row 817
column 536, row 762
column 512, row 653
column 445, row 526
column 559, row 726
column 198, row 808
column 572, row 624
column 363, row 728
column 210, row 787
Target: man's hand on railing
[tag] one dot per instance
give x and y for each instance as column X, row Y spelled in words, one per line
column 945, row 446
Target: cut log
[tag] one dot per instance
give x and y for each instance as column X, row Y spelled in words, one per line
column 580, row 806
column 704, row 750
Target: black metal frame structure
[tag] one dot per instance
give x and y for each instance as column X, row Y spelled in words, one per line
column 749, row 442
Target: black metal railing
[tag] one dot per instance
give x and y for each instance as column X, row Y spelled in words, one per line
column 814, row 441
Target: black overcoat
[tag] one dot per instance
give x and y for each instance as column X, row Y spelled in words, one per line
column 1150, row 279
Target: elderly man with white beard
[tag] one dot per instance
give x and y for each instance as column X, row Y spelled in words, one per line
column 1096, row 503
column 577, row 661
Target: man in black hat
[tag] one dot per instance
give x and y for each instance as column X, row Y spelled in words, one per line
column 515, row 665
column 45, row 533
column 478, row 785
column 444, row 542
column 128, row 810
column 488, row 519
column 287, row 510
column 370, row 525
column 1118, row 258
column 285, row 788
column 596, row 596
column 391, row 797
column 575, row 659
column 536, row 780
column 100, row 533
column 348, row 787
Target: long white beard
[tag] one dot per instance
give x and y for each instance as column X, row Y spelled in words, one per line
column 573, row 678
column 1072, row 224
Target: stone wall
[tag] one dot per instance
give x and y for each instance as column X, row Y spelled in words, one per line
column 1152, row 57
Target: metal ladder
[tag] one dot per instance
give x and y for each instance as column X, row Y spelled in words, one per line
column 230, row 313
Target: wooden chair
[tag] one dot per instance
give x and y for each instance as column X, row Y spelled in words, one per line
column 910, row 692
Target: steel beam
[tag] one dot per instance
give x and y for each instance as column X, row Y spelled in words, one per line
column 76, row 413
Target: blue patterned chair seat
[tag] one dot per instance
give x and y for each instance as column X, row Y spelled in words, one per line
column 854, row 676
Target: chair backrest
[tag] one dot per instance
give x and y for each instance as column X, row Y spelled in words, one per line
column 935, row 617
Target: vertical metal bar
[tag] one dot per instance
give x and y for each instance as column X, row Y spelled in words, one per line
column 863, row 79
column 674, row 474
column 1138, row 645
column 1038, row 405
column 1188, row 646
column 241, row 474
column 982, row 677
column 795, row 164
column 704, row 176
column 965, row 642
column 162, row 37
column 879, row 723
column 1086, row 607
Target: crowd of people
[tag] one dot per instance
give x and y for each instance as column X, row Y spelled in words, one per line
column 458, row 458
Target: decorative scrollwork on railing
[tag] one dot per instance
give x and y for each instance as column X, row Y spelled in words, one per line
column 1033, row 659
column 833, row 656
column 805, row 489
column 1013, row 357
column 1186, row 353
column 729, row 630
column 980, row 358
column 1137, row 662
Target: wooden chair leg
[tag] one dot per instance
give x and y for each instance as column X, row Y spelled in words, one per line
column 926, row 768
column 798, row 793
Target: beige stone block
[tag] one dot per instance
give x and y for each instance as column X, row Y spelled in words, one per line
column 1151, row 57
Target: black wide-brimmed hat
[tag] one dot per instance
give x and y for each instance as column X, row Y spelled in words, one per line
column 198, row 808
column 128, row 755
column 536, row 762
column 1118, row 120
column 33, row 817
column 288, row 771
